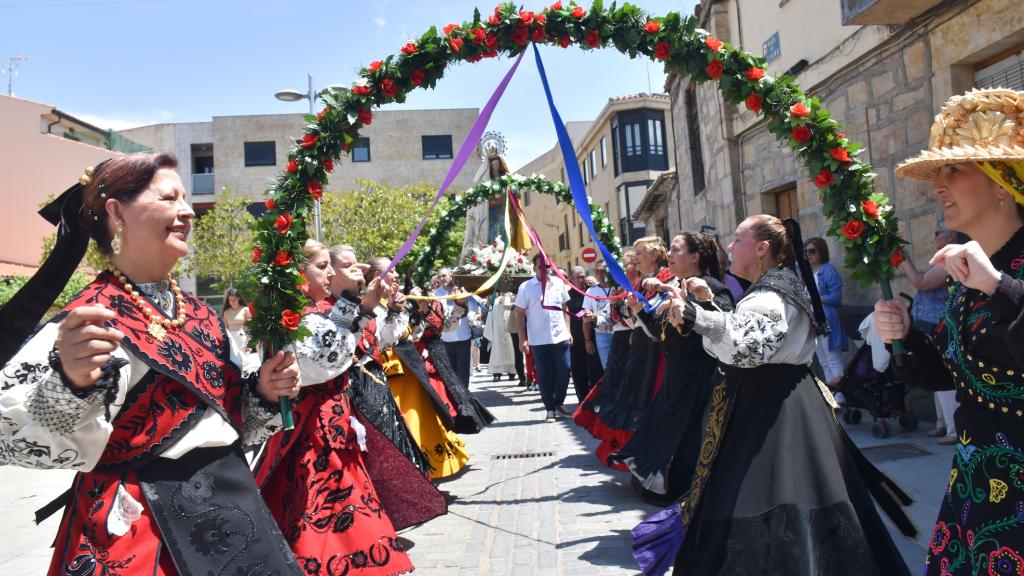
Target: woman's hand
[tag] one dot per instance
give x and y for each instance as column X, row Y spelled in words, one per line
column 84, row 344
column 699, row 288
column 676, row 308
column 652, row 285
column 969, row 265
column 279, row 376
column 375, row 290
column 891, row 319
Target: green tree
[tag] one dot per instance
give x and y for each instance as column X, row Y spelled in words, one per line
column 222, row 241
column 376, row 219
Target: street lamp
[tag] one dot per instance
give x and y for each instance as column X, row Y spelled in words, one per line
column 291, row 95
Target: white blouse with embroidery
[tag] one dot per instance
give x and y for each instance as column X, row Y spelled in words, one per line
column 763, row 329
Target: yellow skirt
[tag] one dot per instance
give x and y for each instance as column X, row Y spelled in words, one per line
column 447, row 452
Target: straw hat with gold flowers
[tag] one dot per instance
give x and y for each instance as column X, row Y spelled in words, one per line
column 982, row 126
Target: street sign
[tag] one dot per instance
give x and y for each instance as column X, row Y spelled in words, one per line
column 589, row 255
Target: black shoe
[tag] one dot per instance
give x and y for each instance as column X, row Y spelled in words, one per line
column 511, row 376
column 550, row 415
column 524, row 384
column 403, row 544
column 497, row 378
column 562, row 410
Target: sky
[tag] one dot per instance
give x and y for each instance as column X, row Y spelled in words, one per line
column 125, row 63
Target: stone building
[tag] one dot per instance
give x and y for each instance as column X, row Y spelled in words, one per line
column 883, row 68
column 620, row 153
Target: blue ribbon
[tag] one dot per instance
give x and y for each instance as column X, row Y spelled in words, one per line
column 578, row 189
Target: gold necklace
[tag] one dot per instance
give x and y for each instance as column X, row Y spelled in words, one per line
column 158, row 324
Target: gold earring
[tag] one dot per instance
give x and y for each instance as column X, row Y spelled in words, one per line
column 116, row 243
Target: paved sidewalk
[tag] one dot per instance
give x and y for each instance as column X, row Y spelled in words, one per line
column 557, row 513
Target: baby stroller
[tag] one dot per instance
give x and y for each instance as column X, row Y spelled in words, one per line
column 878, row 392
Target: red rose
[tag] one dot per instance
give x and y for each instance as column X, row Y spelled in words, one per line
column 329, row 164
column 520, row 36
column 320, row 116
column 361, row 90
column 520, row 259
column 448, row 29
column 564, row 41
column 651, row 27
column 593, row 38
column 525, row 17
column 556, row 6
column 417, row 77
column 315, row 189
column 388, row 87
column 715, row 69
column 375, row 65
column 799, row 109
column 754, row 103
column 824, row 179
column 540, row 19
column 257, row 255
column 252, row 308
column 662, row 50
column 309, row 140
column 896, row 259
column 491, row 54
column 477, row 35
column 476, row 58
column 270, row 203
column 713, row 43
column 870, row 208
column 283, row 223
column 539, row 35
column 578, row 12
column 283, row 258
column 852, row 229
column 801, row 134
column 291, row 320
column 456, row 44
column 755, row 73
column 365, row 116
column 292, row 167
column 841, row 136
column 474, row 258
column 345, row 146
column 493, row 20
column 490, row 41
column 841, row 154
column 303, row 284
column 409, row 48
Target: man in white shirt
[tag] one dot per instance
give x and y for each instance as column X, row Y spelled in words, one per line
column 457, row 335
column 547, row 335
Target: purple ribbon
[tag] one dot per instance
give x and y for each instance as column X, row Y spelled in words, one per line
column 476, row 131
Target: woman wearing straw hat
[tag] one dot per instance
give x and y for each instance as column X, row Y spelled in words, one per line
column 975, row 162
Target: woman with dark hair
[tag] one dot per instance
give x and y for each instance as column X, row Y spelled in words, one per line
column 975, row 162
column 830, row 286
column 236, row 314
column 779, row 487
column 137, row 386
column 662, row 454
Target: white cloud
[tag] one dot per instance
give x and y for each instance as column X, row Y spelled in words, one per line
column 380, row 21
column 123, row 121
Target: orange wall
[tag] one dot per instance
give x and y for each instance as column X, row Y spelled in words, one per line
column 33, row 165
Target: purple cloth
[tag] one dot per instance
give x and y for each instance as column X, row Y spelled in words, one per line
column 657, row 539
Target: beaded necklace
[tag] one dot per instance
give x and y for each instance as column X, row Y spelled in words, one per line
column 158, row 324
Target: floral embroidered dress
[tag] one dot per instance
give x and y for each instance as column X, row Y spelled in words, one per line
column 162, row 487
column 978, row 348
column 314, row 478
column 779, row 487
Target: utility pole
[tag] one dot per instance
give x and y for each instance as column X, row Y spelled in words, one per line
column 11, row 69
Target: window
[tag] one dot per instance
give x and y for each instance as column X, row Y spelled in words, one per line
column 260, row 154
column 633, row 146
column 593, row 163
column 631, row 194
column 693, row 136
column 655, row 139
column 361, row 150
column 782, row 203
column 581, row 234
column 604, row 154
column 437, row 147
column 565, row 220
column 615, row 148
column 583, row 167
column 1005, row 72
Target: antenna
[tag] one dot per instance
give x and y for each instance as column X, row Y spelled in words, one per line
column 11, row 69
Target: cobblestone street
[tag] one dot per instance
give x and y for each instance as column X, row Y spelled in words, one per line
column 534, row 499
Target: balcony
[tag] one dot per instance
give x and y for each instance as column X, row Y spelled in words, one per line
column 202, row 183
column 862, row 12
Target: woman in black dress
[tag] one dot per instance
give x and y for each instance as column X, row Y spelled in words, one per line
column 976, row 165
